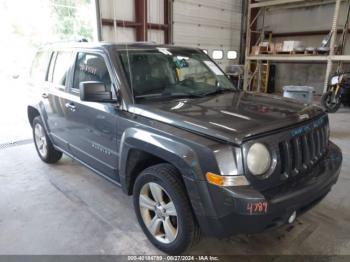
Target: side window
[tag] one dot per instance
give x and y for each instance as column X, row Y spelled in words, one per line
column 39, row 66
column 62, row 66
column 91, row 67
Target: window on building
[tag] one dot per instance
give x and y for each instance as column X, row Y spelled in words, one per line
column 232, row 55
column 218, row 54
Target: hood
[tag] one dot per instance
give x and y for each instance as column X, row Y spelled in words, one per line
column 232, row 117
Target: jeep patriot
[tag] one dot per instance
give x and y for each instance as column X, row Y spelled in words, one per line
column 166, row 125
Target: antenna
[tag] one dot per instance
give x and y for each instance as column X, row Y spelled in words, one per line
column 129, row 68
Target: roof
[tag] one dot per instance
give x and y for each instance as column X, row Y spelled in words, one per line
column 108, row 45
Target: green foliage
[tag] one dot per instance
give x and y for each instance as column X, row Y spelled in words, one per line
column 71, row 20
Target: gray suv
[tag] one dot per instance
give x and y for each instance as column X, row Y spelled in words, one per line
column 166, row 125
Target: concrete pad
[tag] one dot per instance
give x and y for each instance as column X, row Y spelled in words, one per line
column 67, row 209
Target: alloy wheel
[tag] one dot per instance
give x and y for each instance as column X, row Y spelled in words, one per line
column 40, row 140
column 158, row 212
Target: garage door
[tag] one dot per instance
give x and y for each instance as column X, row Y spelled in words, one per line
column 207, row 24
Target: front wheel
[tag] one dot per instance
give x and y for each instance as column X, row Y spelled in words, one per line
column 328, row 103
column 42, row 142
column 163, row 209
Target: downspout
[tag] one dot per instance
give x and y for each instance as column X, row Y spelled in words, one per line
column 98, row 20
column 243, row 32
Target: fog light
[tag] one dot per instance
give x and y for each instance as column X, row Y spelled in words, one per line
column 292, row 217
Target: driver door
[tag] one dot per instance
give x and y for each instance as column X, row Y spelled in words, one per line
column 94, row 133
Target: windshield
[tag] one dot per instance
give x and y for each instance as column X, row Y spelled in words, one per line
column 171, row 72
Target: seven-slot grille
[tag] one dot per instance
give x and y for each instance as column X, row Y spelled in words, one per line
column 302, row 151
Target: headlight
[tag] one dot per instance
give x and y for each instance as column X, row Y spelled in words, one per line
column 335, row 80
column 258, row 159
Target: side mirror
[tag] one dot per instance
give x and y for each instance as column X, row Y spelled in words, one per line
column 94, row 91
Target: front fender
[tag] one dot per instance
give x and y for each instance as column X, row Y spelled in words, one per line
column 182, row 156
column 178, row 154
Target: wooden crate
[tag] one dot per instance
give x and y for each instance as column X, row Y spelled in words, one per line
column 258, row 50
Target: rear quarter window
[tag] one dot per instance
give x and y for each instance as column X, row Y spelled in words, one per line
column 64, row 62
column 40, row 64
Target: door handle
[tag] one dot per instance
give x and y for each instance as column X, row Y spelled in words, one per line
column 45, row 95
column 71, row 107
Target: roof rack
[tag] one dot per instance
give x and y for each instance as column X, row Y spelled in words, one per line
column 146, row 42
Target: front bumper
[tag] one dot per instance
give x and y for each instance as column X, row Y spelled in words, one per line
column 245, row 210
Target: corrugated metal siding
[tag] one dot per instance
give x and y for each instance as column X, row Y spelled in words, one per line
column 208, row 25
column 204, row 23
column 125, row 10
column 122, row 10
column 155, row 11
column 305, row 19
column 156, row 36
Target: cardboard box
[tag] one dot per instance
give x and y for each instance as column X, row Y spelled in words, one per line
column 289, row 46
column 278, row 47
column 255, row 50
column 264, row 44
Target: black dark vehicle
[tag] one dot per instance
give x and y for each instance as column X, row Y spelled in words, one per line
column 167, row 125
column 338, row 92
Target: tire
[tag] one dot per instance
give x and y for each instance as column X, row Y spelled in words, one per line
column 168, row 179
column 330, row 108
column 43, row 144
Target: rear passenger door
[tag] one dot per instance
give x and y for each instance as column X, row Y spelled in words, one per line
column 54, row 98
column 94, row 132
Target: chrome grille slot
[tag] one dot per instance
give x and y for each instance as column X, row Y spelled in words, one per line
column 306, row 152
column 322, row 136
column 311, row 138
column 297, row 155
column 318, row 145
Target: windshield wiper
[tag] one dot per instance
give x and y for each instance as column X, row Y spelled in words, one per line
column 169, row 95
column 181, row 95
column 218, row 91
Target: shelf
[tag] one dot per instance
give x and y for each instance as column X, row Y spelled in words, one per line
column 300, row 3
column 274, row 3
column 340, row 58
column 257, row 8
column 300, row 58
column 311, row 58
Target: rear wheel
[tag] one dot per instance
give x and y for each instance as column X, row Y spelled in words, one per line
column 43, row 145
column 163, row 209
column 329, row 104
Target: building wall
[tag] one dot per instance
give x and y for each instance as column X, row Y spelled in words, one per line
column 117, row 9
column 203, row 24
column 296, row 20
column 209, row 25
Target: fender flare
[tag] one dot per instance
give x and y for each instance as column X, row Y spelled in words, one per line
column 174, row 152
column 41, row 112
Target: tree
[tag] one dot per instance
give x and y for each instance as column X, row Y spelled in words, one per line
column 72, row 19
